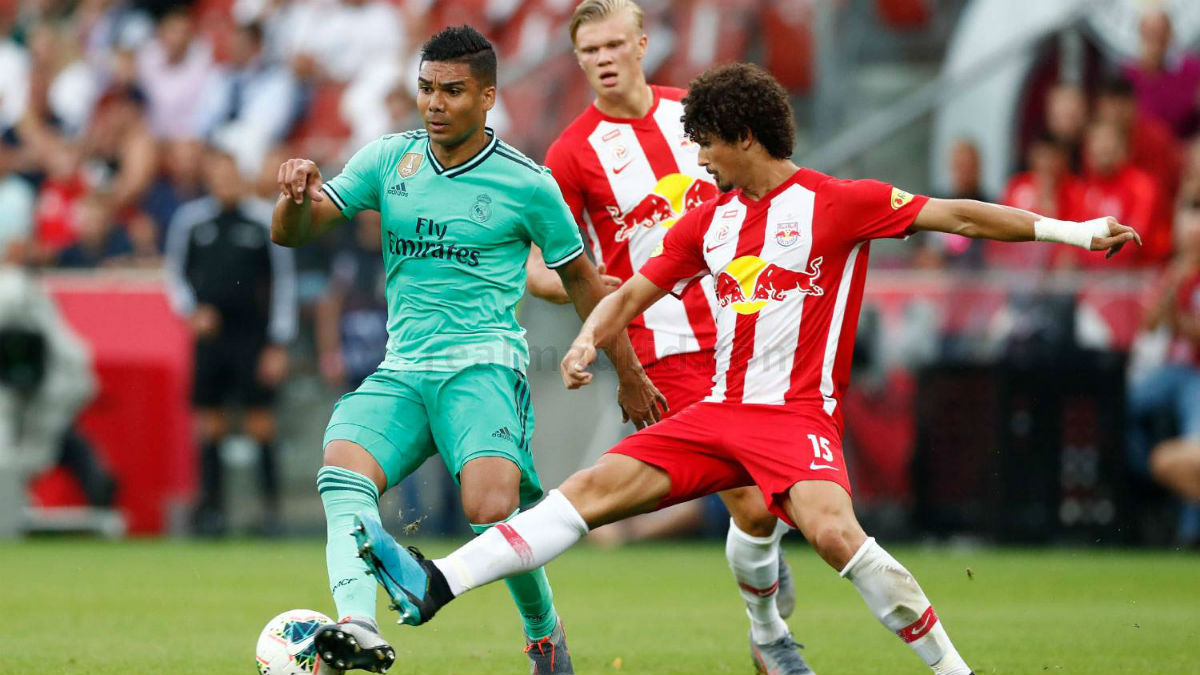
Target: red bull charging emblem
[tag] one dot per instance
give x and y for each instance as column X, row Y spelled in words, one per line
column 673, row 196
column 748, row 283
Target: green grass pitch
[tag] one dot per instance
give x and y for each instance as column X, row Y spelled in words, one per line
column 183, row 608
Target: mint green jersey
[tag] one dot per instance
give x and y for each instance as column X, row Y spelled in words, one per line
column 455, row 241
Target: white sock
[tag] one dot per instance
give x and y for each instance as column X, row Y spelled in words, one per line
column 755, row 565
column 527, row 541
column 896, row 599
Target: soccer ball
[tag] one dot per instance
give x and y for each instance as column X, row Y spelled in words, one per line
column 285, row 646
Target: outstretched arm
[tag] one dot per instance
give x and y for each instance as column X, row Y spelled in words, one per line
column 980, row 220
column 606, row 324
column 302, row 213
column 640, row 401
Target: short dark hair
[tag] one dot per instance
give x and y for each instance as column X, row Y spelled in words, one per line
column 733, row 101
column 463, row 44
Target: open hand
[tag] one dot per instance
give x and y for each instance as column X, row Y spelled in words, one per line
column 641, row 402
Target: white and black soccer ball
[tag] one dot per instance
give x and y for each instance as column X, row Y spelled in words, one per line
column 285, row 646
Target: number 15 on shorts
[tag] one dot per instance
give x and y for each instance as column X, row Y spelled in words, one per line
column 822, row 455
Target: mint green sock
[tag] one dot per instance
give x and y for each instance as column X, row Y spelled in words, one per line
column 344, row 493
column 532, row 595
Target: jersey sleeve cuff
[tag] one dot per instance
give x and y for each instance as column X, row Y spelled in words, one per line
column 563, row 260
column 335, row 197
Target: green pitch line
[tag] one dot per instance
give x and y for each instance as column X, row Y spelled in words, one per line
column 73, row 606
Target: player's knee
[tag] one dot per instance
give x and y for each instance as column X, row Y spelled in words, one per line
column 491, row 507
column 749, row 512
column 833, row 542
column 354, row 457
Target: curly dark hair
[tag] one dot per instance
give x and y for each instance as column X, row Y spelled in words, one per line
column 732, row 101
column 463, row 44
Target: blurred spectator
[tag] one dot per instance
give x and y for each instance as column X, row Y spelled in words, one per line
column 63, row 88
column 251, row 104
column 340, row 40
column 1047, row 188
column 111, row 25
column 1189, row 183
column 56, row 218
column 965, row 183
column 1167, row 83
column 180, row 181
column 1173, row 388
column 100, row 242
column 370, row 117
column 14, row 82
column 1112, row 186
column 174, row 70
column 1152, row 146
column 1175, row 464
column 16, row 204
column 120, row 153
column 1067, row 119
column 352, row 316
column 238, row 292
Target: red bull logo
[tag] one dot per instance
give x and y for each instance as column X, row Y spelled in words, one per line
column 748, row 283
column 673, row 196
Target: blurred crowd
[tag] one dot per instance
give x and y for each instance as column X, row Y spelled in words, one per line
column 147, row 134
column 1123, row 142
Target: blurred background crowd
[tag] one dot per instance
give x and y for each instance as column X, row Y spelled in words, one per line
column 1011, row 391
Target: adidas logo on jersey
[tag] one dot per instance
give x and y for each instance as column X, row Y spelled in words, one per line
column 399, row 190
column 502, row 433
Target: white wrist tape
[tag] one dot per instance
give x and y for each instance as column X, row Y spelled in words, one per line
column 1070, row 232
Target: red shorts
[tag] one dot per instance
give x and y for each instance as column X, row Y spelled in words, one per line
column 683, row 378
column 710, row 447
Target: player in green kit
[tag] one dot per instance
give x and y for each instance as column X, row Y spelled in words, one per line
column 460, row 210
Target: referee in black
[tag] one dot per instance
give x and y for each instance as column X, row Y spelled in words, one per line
column 238, row 292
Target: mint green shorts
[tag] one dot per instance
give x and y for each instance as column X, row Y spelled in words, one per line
column 405, row 417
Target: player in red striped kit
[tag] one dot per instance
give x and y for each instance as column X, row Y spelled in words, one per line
column 789, row 246
column 628, row 172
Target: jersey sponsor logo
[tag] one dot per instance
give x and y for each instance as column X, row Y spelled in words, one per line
column 900, row 198
column 674, row 195
column 787, row 233
column 398, row 190
column 428, row 244
column 749, row 283
column 710, row 249
column 481, row 210
column 409, row 164
column 619, row 169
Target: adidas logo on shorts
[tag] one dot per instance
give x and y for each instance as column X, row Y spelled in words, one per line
column 503, row 433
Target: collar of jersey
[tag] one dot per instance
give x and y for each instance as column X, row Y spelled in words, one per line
column 466, row 166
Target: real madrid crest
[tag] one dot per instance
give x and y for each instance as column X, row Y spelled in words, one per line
column 409, row 164
column 787, row 233
column 481, row 210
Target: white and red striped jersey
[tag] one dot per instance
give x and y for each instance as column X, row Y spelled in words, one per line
column 789, row 271
column 627, row 181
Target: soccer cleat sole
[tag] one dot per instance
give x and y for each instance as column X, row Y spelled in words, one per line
column 410, row 614
column 340, row 650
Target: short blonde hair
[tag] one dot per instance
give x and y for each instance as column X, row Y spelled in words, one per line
column 594, row 10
